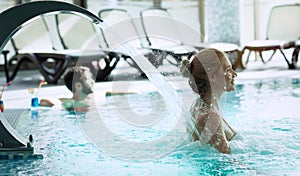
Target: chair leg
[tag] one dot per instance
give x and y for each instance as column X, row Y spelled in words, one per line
column 290, row 65
column 238, row 61
column 61, row 63
column 11, row 76
column 274, row 51
column 261, row 57
column 248, row 58
column 178, row 57
column 190, row 55
column 160, row 56
column 110, row 63
column 6, row 69
column 165, row 54
column 295, row 57
column 154, row 58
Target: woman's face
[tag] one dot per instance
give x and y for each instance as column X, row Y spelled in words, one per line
column 227, row 71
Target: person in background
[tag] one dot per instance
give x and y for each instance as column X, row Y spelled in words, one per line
column 210, row 74
column 79, row 80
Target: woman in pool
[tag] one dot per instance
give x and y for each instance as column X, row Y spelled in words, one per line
column 79, row 80
column 210, row 75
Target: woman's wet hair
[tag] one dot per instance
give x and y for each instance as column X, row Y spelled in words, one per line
column 203, row 64
column 82, row 75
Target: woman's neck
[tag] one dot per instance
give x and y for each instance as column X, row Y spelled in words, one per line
column 212, row 100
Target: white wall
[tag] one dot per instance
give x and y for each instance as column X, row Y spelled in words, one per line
column 263, row 10
column 176, row 7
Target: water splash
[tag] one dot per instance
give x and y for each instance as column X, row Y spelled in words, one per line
column 146, row 149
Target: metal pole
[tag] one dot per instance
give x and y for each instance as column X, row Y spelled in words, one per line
column 201, row 7
column 255, row 19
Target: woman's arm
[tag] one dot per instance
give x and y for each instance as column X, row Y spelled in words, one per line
column 46, row 102
column 210, row 127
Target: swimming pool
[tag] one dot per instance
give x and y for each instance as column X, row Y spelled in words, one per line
column 265, row 114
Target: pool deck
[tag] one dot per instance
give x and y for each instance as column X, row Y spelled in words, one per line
column 17, row 93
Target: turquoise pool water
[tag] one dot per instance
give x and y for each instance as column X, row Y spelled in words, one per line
column 265, row 114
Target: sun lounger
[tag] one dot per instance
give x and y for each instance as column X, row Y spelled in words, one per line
column 282, row 32
column 88, row 40
column 163, row 36
column 121, row 35
column 295, row 54
column 50, row 61
column 158, row 21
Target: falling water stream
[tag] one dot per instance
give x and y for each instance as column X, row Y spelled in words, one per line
column 149, row 149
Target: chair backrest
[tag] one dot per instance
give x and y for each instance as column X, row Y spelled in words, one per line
column 284, row 23
column 158, row 24
column 119, row 28
column 76, row 32
column 51, row 24
column 55, row 32
column 33, row 36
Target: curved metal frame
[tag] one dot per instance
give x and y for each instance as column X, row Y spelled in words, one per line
column 13, row 22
